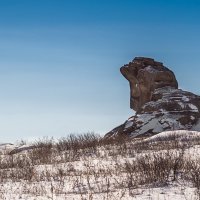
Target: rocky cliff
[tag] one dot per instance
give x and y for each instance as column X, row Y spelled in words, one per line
column 159, row 104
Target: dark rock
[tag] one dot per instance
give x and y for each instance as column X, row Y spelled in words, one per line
column 158, row 102
column 144, row 76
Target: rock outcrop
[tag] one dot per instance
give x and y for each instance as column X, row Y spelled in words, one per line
column 159, row 104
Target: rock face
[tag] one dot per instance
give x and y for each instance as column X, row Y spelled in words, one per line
column 159, row 104
column 144, row 76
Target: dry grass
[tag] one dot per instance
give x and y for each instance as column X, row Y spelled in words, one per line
column 112, row 166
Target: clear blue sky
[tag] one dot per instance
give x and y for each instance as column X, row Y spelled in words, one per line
column 60, row 60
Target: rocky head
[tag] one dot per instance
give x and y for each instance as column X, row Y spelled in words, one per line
column 144, row 76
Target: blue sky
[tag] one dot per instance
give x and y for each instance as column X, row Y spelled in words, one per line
column 60, row 60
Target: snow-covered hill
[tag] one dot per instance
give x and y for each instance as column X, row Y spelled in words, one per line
column 165, row 166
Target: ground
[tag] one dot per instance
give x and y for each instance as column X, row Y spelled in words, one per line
column 163, row 167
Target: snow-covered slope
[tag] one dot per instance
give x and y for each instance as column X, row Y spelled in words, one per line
column 6, row 147
column 178, row 135
column 134, row 169
column 169, row 109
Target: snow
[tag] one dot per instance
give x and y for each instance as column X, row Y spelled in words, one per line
column 186, row 99
column 131, row 118
column 149, row 123
column 85, row 178
column 128, row 124
column 192, row 117
column 178, row 133
column 193, row 107
column 182, row 105
column 153, row 123
column 6, row 147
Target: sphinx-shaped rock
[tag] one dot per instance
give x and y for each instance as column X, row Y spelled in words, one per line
column 144, row 76
column 159, row 104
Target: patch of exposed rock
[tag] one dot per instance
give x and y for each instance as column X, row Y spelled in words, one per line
column 159, row 104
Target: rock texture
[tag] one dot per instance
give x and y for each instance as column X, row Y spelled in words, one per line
column 144, row 76
column 159, row 104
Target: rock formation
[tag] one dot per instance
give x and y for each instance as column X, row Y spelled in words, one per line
column 144, row 76
column 158, row 102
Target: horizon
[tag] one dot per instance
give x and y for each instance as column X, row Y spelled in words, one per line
column 60, row 61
